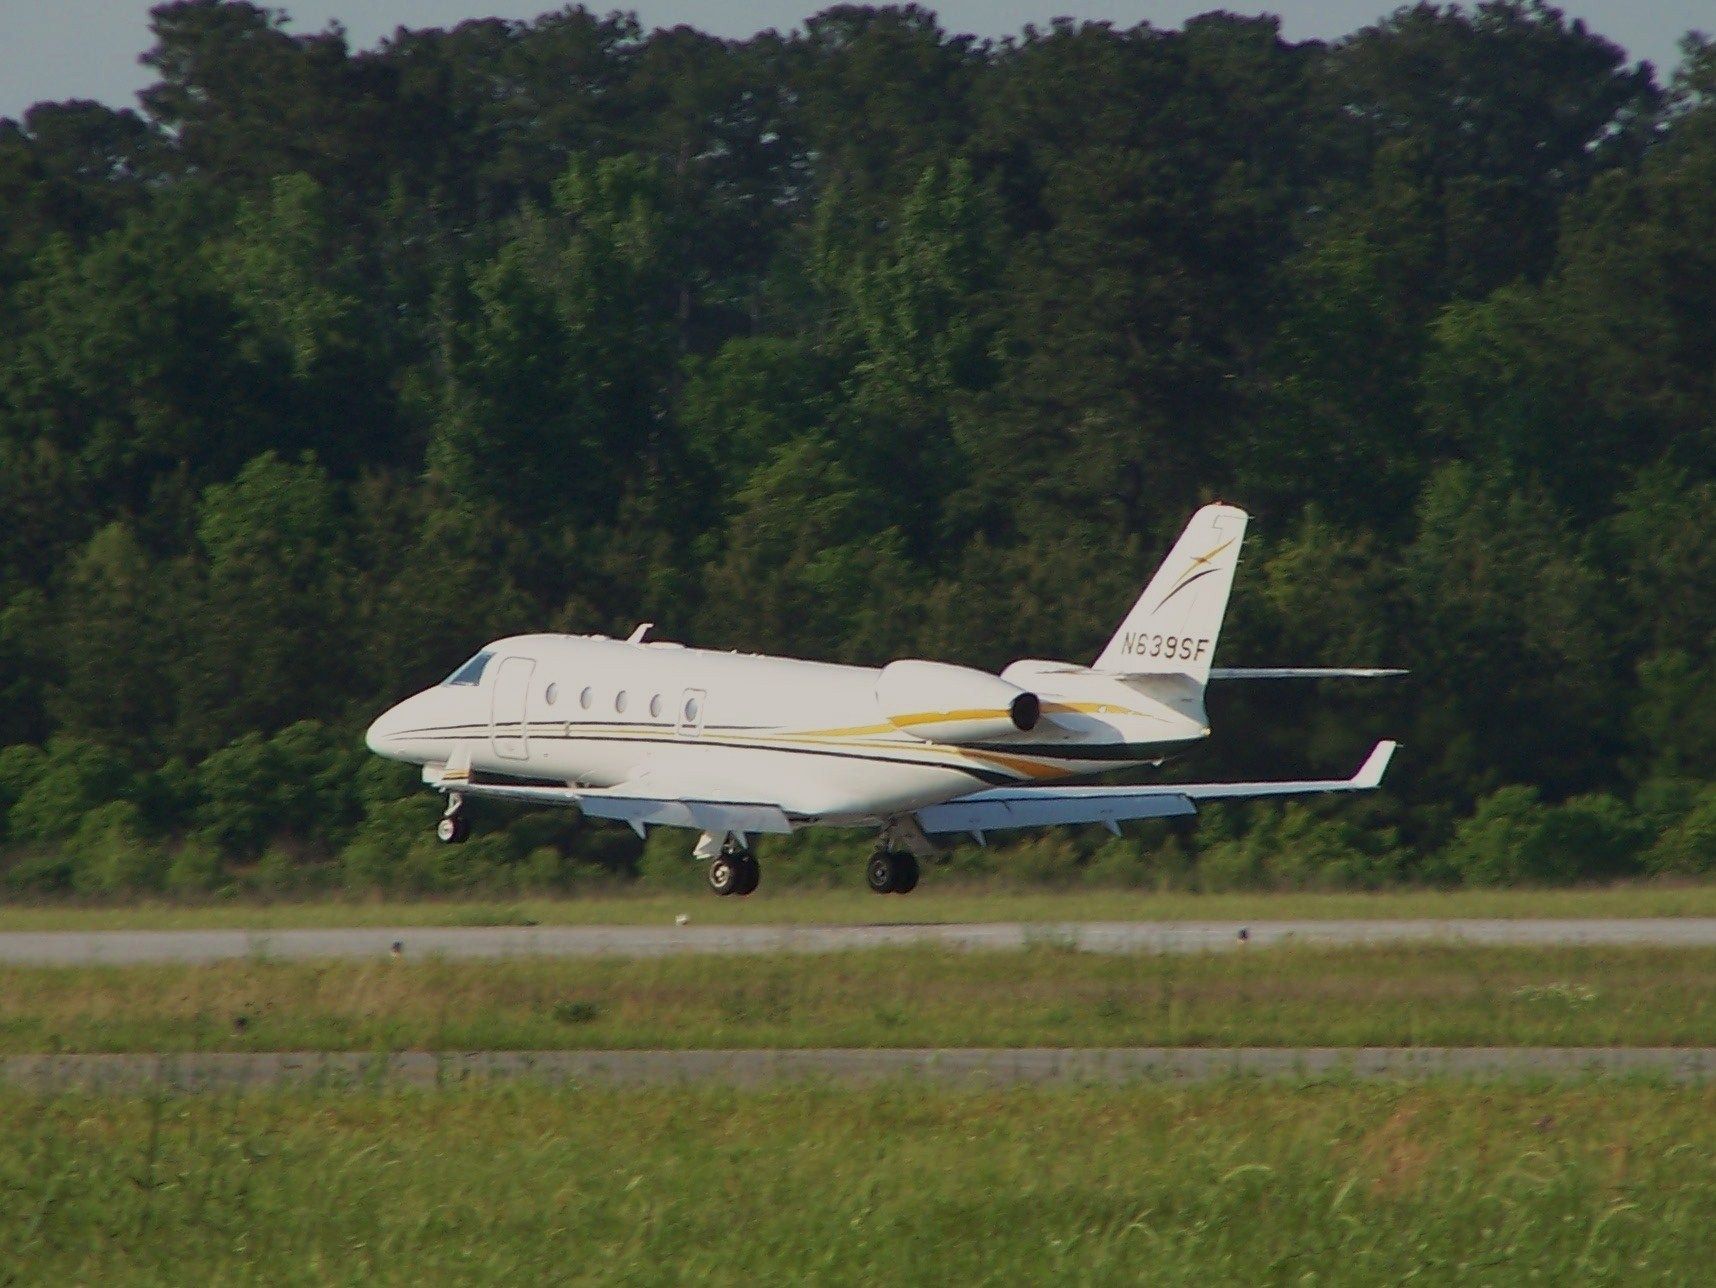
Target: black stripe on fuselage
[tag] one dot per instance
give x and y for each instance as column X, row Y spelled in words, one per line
column 992, row 777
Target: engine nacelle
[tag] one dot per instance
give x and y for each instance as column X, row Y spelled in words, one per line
column 942, row 703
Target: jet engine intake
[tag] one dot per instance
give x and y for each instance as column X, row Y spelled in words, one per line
column 956, row 704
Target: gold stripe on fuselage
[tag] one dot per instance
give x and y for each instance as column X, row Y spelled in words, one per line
column 932, row 717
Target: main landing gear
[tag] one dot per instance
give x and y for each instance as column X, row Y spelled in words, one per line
column 734, row 871
column 892, row 872
column 454, row 827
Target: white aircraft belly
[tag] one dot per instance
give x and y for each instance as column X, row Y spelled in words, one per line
column 806, row 780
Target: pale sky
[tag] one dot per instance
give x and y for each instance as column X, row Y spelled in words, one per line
column 59, row 49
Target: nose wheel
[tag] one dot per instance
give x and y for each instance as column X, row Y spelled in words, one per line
column 892, row 872
column 453, row 828
column 734, row 872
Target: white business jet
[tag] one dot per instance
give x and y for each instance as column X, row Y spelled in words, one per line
column 735, row 744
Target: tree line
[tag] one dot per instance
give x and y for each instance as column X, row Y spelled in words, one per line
column 866, row 341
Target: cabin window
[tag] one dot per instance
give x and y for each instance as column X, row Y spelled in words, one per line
column 620, row 700
column 690, row 709
column 586, row 698
column 550, row 693
column 471, row 672
column 655, row 706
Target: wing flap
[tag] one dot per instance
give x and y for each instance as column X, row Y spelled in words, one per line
column 1044, row 808
column 1006, row 807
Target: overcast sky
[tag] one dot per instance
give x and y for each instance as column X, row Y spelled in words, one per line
column 59, row 49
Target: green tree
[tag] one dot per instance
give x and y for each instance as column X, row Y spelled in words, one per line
column 269, row 637
column 560, row 376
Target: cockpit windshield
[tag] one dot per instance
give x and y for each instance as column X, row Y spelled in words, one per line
column 471, row 672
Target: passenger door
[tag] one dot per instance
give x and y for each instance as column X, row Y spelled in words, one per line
column 509, row 735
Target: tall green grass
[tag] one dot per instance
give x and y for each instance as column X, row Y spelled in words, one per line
column 1400, row 995
column 1233, row 1183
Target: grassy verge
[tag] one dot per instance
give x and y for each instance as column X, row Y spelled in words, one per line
column 846, row 906
column 1413, row 995
column 1350, row 1184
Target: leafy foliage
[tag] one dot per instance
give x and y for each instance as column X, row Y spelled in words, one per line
column 861, row 342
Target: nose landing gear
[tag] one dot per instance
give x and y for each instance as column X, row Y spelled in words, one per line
column 454, row 828
column 734, row 871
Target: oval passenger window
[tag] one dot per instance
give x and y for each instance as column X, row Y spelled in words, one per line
column 655, row 706
column 691, row 708
column 620, row 700
column 551, row 692
column 586, row 698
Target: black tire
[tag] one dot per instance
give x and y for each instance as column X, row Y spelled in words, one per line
column 724, row 874
column 882, row 871
column 905, row 873
column 453, row 829
column 751, row 874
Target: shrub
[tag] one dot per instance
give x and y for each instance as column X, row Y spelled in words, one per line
column 20, row 766
column 303, row 781
column 1496, row 845
column 375, row 857
column 1687, row 847
column 39, row 871
column 110, row 854
column 1293, row 847
column 485, row 862
column 278, row 871
column 1594, row 836
column 71, row 779
column 194, row 868
column 1513, row 837
column 1120, row 863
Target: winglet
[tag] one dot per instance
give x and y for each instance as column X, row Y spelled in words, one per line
column 1375, row 766
column 640, row 633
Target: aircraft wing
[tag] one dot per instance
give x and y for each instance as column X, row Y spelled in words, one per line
column 640, row 805
column 1006, row 807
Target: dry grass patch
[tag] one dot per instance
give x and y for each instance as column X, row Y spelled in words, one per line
column 1410, row 995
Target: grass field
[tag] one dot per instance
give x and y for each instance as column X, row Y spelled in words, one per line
column 822, row 907
column 1602, row 1182
column 1411, row 995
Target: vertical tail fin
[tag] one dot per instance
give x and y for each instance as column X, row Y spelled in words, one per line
column 1172, row 629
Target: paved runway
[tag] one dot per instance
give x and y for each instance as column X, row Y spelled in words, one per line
column 233, row 1071
column 120, row 947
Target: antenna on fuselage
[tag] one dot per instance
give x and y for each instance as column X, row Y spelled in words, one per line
column 637, row 635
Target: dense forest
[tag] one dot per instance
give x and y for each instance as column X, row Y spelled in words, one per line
column 866, row 341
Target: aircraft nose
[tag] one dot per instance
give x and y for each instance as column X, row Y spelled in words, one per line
column 383, row 728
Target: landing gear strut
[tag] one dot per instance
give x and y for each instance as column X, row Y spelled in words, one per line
column 454, row 827
column 892, row 872
column 734, row 871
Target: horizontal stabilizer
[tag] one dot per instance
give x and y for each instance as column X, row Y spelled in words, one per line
column 1303, row 672
column 1006, row 807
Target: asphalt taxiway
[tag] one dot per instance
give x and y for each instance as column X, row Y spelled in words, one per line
column 68, row 948
column 240, row 1071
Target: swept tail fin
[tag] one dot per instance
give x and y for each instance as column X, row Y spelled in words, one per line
column 1173, row 628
